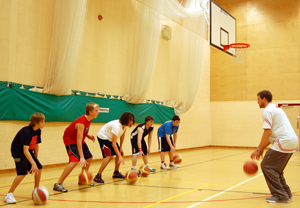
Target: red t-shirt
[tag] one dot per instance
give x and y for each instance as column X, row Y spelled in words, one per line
column 70, row 135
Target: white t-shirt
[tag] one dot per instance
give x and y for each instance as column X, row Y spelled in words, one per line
column 110, row 128
column 283, row 137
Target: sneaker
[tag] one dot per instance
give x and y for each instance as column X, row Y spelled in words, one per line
column 274, row 199
column 152, row 169
column 118, row 175
column 59, row 187
column 92, row 184
column 9, row 198
column 172, row 164
column 98, row 178
column 164, row 166
column 135, row 171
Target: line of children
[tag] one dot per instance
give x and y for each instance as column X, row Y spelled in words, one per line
column 24, row 147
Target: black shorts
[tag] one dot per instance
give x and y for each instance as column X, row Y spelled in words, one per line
column 106, row 147
column 135, row 147
column 73, row 153
column 23, row 166
column 163, row 145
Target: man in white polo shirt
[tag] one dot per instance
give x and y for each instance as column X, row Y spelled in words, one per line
column 278, row 132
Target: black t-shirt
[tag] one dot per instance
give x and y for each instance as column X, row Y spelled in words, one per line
column 134, row 133
column 26, row 136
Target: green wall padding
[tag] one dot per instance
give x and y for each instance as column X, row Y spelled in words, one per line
column 19, row 104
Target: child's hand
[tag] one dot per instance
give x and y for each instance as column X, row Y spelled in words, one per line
column 91, row 137
column 34, row 169
column 82, row 162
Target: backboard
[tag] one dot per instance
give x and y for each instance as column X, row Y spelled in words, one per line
column 222, row 28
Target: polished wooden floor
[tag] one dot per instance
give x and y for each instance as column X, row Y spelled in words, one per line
column 208, row 177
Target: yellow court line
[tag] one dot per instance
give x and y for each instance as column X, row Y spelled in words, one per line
column 176, row 196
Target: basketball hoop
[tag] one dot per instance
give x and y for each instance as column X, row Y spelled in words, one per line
column 240, row 51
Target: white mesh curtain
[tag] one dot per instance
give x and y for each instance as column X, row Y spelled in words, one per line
column 194, row 53
column 189, row 75
column 145, row 46
column 68, row 26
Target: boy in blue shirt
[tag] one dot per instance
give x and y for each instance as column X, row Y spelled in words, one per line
column 165, row 141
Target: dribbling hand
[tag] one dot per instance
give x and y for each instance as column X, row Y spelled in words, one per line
column 83, row 162
column 256, row 155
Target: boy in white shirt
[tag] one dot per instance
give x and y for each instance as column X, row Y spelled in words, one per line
column 107, row 137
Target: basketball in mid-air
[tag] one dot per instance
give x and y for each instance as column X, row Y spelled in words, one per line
column 131, row 176
column 177, row 159
column 250, row 167
column 40, row 195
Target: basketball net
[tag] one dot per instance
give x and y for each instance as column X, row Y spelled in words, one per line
column 240, row 51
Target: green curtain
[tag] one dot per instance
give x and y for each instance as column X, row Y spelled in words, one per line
column 19, row 104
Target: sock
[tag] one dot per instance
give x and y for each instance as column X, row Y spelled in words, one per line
column 133, row 167
column 171, row 161
column 116, row 171
column 162, row 162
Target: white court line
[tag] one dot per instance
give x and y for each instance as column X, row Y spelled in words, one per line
column 223, row 191
column 293, row 158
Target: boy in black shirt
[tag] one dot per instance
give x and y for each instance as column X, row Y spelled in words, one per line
column 24, row 150
column 138, row 144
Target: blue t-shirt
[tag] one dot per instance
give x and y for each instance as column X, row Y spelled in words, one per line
column 167, row 128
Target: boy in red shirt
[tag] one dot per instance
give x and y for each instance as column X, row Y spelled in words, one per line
column 77, row 149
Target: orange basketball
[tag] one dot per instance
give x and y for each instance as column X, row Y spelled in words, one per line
column 85, row 178
column 177, row 159
column 144, row 170
column 131, row 176
column 250, row 167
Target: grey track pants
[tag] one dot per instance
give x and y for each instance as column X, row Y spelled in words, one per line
column 272, row 166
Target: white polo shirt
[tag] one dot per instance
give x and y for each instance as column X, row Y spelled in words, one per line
column 283, row 137
column 110, row 128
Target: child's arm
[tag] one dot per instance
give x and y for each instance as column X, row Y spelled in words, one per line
column 80, row 129
column 36, row 150
column 139, row 141
column 175, row 139
column 27, row 154
column 150, row 140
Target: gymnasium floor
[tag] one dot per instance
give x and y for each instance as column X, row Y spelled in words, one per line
column 208, row 177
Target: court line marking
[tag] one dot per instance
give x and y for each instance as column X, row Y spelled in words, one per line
column 195, row 189
column 224, row 191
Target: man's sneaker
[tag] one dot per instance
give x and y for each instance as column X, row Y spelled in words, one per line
column 9, row 198
column 274, row 199
column 118, row 175
column 59, row 187
column 98, row 178
column 164, row 166
column 172, row 164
